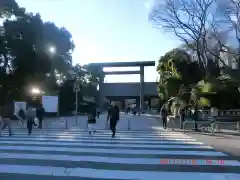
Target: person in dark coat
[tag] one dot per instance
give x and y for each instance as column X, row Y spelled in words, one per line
column 5, row 116
column 92, row 118
column 114, row 118
column 21, row 115
column 98, row 112
column 30, row 119
column 164, row 114
column 108, row 116
column 40, row 115
column 109, row 112
column 182, row 116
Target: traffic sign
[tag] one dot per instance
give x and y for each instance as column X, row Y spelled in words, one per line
column 76, row 87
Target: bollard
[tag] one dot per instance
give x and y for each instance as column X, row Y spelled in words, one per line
column 213, row 127
column 76, row 120
column 184, row 127
column 128, row 124
column 238, row 126
column 86, row 124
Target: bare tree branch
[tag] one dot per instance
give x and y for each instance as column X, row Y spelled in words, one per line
column 191, row 21
column 229, row 21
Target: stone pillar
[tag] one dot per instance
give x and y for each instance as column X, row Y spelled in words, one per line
column 123, row 104
column 138, row 103
column 149, row 103
column 101, row 93
column 142, row 88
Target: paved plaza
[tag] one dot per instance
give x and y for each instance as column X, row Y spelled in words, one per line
column 141, row 150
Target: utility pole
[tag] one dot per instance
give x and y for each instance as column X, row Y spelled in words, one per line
column 76, row 89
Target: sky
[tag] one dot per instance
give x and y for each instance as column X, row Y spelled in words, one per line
column 108, row 31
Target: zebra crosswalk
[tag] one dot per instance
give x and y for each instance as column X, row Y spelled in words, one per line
column 75, row 155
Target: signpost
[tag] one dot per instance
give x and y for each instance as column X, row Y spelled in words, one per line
column 76, row 90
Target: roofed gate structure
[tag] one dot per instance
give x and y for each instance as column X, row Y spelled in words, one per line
column 140, row 64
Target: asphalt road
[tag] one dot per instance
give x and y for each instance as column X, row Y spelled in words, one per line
column 227, row 141
column 141, row 150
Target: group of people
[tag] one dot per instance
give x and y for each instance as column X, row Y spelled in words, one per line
column 127, row 110
column 29, row 115
column 25, row 116
column 165, row 113
column 112, row 119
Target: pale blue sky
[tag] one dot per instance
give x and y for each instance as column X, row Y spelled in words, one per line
column 107, row 30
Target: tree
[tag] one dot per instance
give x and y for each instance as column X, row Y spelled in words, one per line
column 61, row 60
column 228, row 20
column 24, row 56
column 88, row 78
column 25, row 59
column 61, row 40
column 191, row 21
column 8, row 8
column 177, row 73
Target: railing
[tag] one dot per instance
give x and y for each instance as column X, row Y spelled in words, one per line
column 216, row 117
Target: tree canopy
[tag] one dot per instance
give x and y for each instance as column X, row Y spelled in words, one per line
column 27, row 58
column 209, row 31
column 177, row 72
column 206, row 27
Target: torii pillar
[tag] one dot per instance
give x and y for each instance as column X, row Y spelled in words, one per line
column 142, row 88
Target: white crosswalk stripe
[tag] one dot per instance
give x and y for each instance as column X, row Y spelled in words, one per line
column 73, row 154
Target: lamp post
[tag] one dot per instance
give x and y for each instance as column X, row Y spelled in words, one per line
column 35, row 92
column 76, row 89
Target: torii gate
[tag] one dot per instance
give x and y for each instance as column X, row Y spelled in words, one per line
column 140, row 64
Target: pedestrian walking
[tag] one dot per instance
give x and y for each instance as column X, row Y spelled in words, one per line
column 91, row 119
column 21, row 115
column 128, row 110
column 40, row 111
column 109, row 112
column 98, row 112
column 114, row 118
column 5, row 116
column 30, row 119
column 164, row 115
column 108, row 117
column 182, row 116
column 34, row 111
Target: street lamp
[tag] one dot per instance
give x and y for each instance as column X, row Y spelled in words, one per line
column 35, row 91
column 52, row 49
